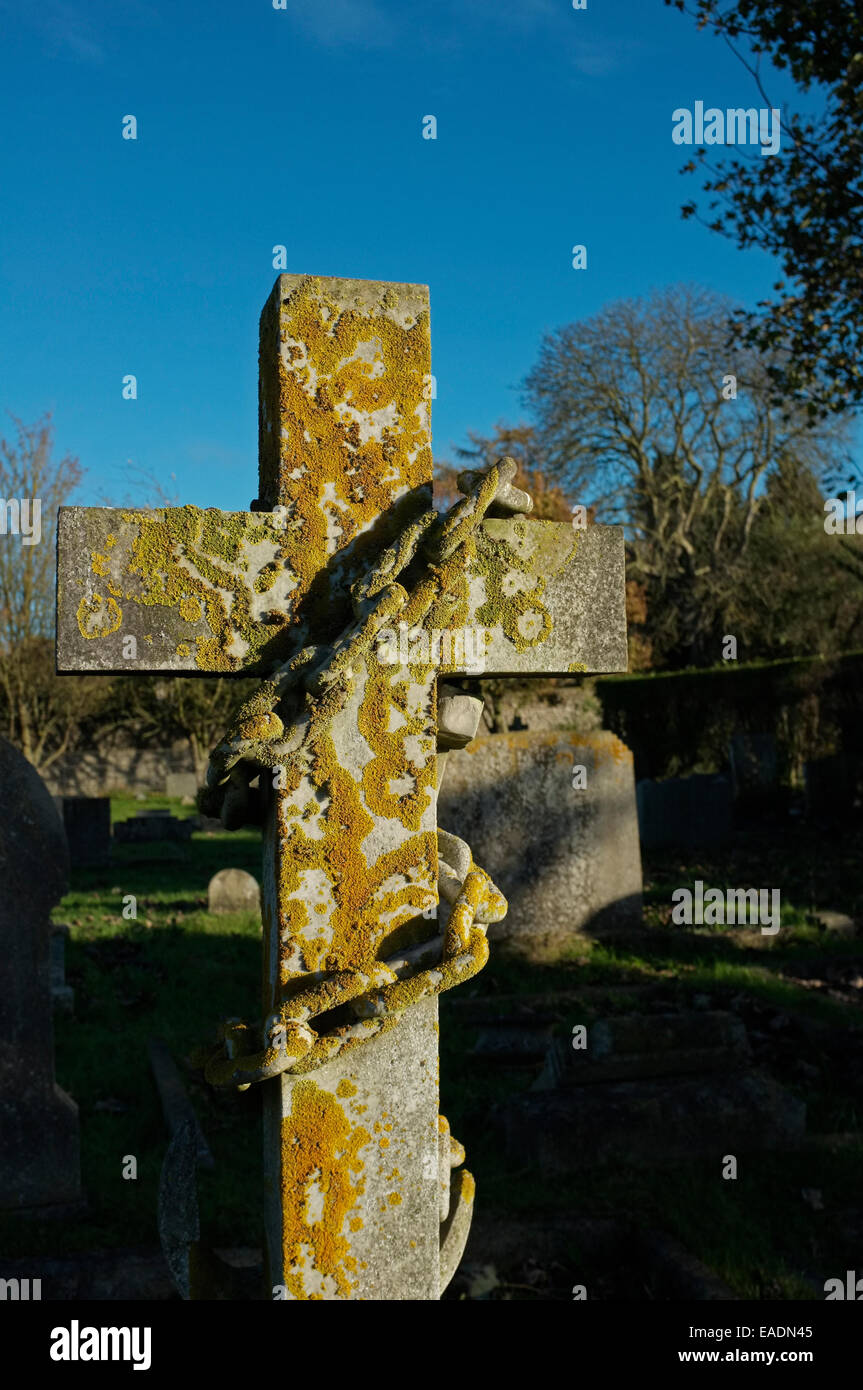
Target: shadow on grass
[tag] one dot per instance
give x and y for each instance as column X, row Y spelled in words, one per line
column 174, row 971
column 186, row 970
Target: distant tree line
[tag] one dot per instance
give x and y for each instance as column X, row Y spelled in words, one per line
column 643, row 414
column 48, row 716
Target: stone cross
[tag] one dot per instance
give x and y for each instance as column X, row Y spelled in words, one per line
column 358, row 1196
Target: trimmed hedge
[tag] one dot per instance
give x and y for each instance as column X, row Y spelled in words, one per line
column 681, row 722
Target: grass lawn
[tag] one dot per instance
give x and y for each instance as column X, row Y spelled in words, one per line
column 790, row 1220
column 175, row 970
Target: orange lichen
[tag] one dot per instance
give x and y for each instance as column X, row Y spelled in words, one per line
column 98, row 616
column 202, row 564
column 368, row 903
column 345, row 425
column 604, row 745
column 321, row 1185
column 190, row 609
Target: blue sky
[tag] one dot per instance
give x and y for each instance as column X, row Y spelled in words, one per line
column 303, row 126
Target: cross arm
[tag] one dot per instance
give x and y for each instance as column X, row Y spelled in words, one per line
column 199, row 591
column 541, row 598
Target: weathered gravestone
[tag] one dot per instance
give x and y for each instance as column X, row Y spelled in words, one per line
column 552, row 817
column 684, row 812
column 87, row 821
column 39, row 1151
column 233, row 890
column 181, row 785
column 62, row 995
column 151, row 827
column 754, row 767
column 339, row 545
column 651, row 1090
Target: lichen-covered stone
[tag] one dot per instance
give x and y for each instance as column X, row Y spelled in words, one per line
column 197, row 590
column 233, row 890
column 565, row 855
column 339, row 541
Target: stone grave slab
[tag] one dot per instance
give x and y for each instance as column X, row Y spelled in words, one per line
column 566, row 857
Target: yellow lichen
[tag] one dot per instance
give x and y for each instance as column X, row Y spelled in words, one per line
column 191, row 610
column 98, row 617
column 320, row 1158
column 333, row 476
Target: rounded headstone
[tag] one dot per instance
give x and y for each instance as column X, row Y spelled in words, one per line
column 233, row 890
column 552, row 818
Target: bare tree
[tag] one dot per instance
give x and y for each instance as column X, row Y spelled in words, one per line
column 518, row 442
column 41, row 714
column 644, row 408
column 162, row 709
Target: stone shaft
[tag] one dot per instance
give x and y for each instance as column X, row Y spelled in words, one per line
column 350, row 860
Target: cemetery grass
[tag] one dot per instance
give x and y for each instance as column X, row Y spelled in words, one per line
column 172, row 971
column 175, row 971
column 790, row 1219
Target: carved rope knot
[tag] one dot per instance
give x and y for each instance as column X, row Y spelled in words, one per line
column 281, row 726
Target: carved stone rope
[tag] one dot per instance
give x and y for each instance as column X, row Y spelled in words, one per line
column 282, row 727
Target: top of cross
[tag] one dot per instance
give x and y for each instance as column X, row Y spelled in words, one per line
column 345, row 463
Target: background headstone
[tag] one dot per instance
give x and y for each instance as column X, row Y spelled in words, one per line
column 148, row 827
column 87, row 821
column 39, row 1146
column 836, row 923
column 684, row 812
column 753, row 767
column 62, row 994
column 566, row 858
column 180, row 784
column 233, row 890
column 651, row 1090
column 632, row 1046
